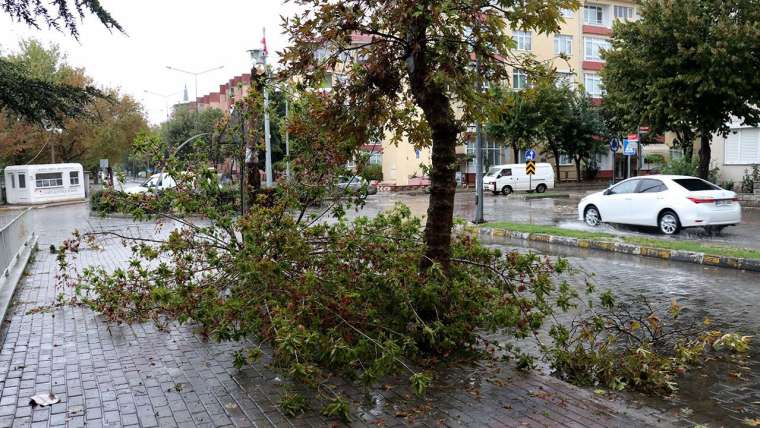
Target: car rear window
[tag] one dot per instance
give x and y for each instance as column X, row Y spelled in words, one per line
column 695, row 184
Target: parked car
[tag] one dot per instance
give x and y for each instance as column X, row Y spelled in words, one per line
column 506, row 179
column 356, row 185
column 156, row 183
column 668, row 202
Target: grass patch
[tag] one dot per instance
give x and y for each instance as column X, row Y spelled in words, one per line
column 715, row 250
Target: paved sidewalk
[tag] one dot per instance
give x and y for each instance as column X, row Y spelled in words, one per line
column 139, row 376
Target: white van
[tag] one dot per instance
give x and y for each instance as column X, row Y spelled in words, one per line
column 506, row 179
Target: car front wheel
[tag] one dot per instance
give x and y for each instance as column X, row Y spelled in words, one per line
column 669, row 223
column 506, row 190
column 592, row 216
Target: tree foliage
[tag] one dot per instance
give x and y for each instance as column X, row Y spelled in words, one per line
column 513, row 117
column 687, row 66
column 104, row 129
column 38, row 100
column 60, row 15
column 408, row 64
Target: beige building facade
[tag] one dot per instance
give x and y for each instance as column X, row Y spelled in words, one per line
column 575, row 52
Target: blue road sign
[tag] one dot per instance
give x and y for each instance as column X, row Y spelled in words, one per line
column 530, row 155
column 614, row 145
column 630, row 147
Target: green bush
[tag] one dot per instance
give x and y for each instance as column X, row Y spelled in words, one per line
column 684, row 167
column 655, row 159
column 372, row 172
column 104, row 201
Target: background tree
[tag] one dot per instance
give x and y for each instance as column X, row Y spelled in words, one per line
column 105, row 130
column 418, row 58
column 687, row 66
column 553, row 104
column 580, row 134
column 512, row 118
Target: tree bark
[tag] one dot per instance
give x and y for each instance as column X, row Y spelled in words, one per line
column 555, row 153
column 516, row 151
column 578, row 169
column 431, row 97
column 705, row 153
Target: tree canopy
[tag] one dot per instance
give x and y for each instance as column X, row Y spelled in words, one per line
column 687, row 66
column 104, row 128
column 36, row 100
column 410, row 64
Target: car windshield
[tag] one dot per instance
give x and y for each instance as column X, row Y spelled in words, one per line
column 695, row 184
column 152, row 182
column 493, row 172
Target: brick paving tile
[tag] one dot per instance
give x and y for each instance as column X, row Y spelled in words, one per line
column 139, row 376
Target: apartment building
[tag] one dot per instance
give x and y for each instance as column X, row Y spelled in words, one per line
column 575, row 51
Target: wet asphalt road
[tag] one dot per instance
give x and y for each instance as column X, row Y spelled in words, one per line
column 563, row 213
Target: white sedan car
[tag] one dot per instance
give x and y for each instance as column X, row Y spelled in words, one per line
column 668, row 202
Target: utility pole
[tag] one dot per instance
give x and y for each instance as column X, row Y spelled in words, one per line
column 478, row 158
column 287, row 139
column 195, row 75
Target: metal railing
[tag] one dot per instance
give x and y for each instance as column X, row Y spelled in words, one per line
column 14, row 238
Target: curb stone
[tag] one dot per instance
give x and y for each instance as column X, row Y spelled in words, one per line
column 616, row 247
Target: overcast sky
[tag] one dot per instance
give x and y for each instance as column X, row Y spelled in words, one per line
column 194, row 35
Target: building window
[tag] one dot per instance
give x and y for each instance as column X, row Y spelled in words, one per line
column 417, row 153
column 675, row 154
column 22, row 181
column 593, row 84
column 492, row 154
column 322, row 54
column 565, row 79
column 74, row 178
column 593, row 15
column 623, row 13
column 593, row 47
column 50, row 179
column 519, row 79
column 566, row 13
column 376, row 158
column 523, row 40
column 743, row 147
column 565, row 159
column 563, row 44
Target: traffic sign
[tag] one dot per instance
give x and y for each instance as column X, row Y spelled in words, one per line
column 644, row 129
column 530, row 155
column 530, row 168
column 634, row 138
column 614, row 145
column 630, row 147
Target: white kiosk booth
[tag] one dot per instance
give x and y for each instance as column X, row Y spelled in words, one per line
column 39, row 184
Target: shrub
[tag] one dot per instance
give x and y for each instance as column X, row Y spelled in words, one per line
column 590, row 170
column 104, row 201
column 372, row 172
column 684, row 167
column 655, row 159
column 750, row 179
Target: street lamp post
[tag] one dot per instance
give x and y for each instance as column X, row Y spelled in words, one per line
column 195, row 75
column 165, row 97
column 478, row 159
column 259, row 57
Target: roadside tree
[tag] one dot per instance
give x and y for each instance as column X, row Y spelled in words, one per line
column 413, row 70
column 512, row 118
column 687, row 66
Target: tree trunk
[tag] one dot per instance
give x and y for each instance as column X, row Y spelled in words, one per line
column 704, row 155
column 432, row 98
column 516, row 151
column 578, row 169
column 555, row 153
